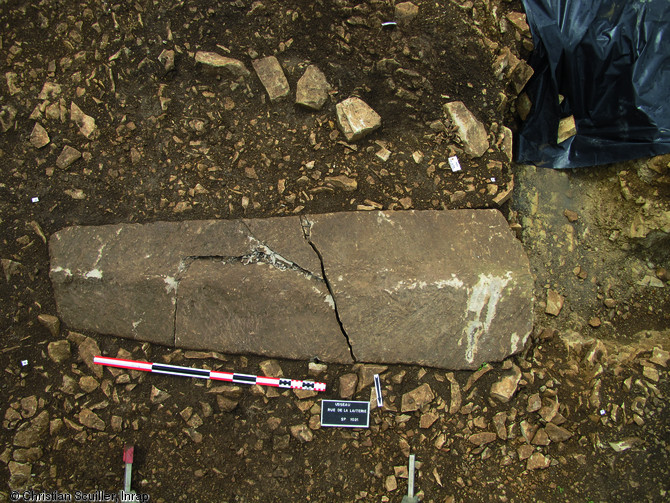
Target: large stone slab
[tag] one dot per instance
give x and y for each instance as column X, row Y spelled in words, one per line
column 443, row 289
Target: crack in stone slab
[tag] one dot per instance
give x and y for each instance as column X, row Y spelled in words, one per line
column 261, row 253
column 307, row 233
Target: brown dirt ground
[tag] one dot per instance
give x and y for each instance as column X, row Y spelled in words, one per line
column 185, row 158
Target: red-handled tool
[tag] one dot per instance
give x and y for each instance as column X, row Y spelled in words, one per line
column 128, row 452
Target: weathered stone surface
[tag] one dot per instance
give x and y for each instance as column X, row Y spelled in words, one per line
column 31, row 433
column 257, row 308
column 59, row 351
column 234, row 66
column 417, row 398
column 470, row 131
column 39, row 137
column 85, row 122
column 457, row 284
column 52, row 323
column 272, row 77
column 201, row 285
column 566, row 129
column 67, row 157
column 505, row 388
column 554, row 303
column 356, row 119
column 393, row 274
column 312, row 89
column 406, row 11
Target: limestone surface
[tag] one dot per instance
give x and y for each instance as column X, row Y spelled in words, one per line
column 471, row 132
column 356, row 118
column 312, row 89
column 234, row 66
column 449, row 289
column 272, row 76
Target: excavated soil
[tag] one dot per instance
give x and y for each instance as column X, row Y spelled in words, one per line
column 192, row 142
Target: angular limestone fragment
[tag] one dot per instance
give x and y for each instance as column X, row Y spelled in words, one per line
column 356, row 119
column 234, row 66
column 470, row 131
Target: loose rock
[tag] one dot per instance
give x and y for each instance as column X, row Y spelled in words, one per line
column 31, row 433
column 417, row 398
column 67, row 157
column 505, row 388
column 348, row 384
column 356, row 118
column 166, row 58
column 235, row 67
column 50, row 322
column 471, row 132
column 557, row 433
column 91, row 420
column 39, row 137
column 88, row 348
column 272, row 77
column 85, row 122
column 59, row 351
column 483, row 438
column 406, row 11
column 302, row 433
column 554, row 303
column 312, row 89
column 566, row 129
column 19, row 474
column 538, row 461
column 342, row 182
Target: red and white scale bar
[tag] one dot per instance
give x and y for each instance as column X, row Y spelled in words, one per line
column 162, row 368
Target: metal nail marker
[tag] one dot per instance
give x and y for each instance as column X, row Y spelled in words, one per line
column 378, row 389
column 410, row 498
column 128, row 452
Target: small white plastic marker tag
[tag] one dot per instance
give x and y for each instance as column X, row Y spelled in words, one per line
column 378, row 389
column 455, row 165
column 345, row 414
column 35, row 199
column 24, row 363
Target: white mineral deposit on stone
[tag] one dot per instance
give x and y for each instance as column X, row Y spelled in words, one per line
column 136, row 323
column 454, row 282
column 329, row 300
column 383, row 217
column 94, row 274
column 171, row 284
column 486, row 293
column 60, row 269
column 514, row 339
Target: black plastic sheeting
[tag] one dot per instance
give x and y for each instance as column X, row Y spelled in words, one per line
column 611, row 61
